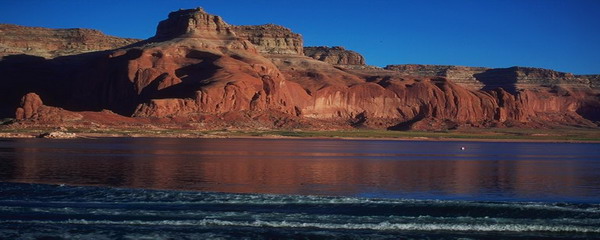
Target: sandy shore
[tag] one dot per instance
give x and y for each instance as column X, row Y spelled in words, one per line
column 470, row 137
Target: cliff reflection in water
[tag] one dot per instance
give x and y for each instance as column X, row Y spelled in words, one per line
column 324, row 167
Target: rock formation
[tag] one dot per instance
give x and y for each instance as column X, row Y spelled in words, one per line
column 57, row 135
column 335, row 55
column 50, row 43
column 194, row 65
column 33, row 109
column 511, row 79
column 200, row 69
column 30, row 104
column 271, row 39
column 464, row 76
column 594, row 80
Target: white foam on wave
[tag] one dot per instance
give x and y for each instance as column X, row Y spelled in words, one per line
column 264, row 200
column 383, row 226
column 103, row 195
column 184, row 197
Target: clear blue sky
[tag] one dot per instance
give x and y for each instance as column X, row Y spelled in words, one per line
column 558, row 34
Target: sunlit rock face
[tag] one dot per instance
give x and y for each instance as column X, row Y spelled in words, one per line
column 198, row 67
column 195, row 64
column 272, row 39
column 335, row 55
column 512, row 78
column 51, row 43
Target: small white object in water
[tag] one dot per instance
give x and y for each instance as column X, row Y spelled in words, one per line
column 462, row 148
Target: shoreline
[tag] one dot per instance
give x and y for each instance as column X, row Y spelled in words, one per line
column 382, row 135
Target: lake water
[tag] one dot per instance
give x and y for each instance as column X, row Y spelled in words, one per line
column 162, row 188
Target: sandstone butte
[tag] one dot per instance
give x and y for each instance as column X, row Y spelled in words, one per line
column 200, row 71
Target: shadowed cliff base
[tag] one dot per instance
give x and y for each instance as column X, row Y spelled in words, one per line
column 590, row 111
column 22, row 74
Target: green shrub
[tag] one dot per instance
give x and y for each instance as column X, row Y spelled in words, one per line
column 5, row 121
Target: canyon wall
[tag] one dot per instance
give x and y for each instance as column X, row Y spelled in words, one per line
column 200, row 69
column 510, row 79
column 204, row 67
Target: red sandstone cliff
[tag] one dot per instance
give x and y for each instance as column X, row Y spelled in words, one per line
column 195, row 65
column 198, row 68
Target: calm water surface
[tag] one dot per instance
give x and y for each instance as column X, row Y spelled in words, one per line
column 297, row 188
column 390, row 169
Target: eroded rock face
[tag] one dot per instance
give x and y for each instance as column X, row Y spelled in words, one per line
column 335, row 55
column 594, row 80
column 517, row 78
column 50, row 43
column 33, row 109
column 458, row 74
column 272, row 39
column 202, row 68
column 198, row 68
column 167, row 108
column 30, row 104
column 400, row 103
column 436, row 103
column 193, row 23
column 510, row 79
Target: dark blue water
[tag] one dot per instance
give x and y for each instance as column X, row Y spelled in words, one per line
column 315, row 189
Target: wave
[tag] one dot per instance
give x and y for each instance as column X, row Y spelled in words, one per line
column 383, row 226
column 58, row 208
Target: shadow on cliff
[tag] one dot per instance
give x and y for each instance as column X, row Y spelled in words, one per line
column 407, row 125
column 591, row 110
column 76, row 82
column 103, row 82
column 505, row 78
column 21, row 74
column 193, row 78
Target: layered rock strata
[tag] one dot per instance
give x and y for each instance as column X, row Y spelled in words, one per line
column 335, row 55
column 50, row 43
column 511, row 79
column 594, row 80
column 464, row 76
column 271, row 39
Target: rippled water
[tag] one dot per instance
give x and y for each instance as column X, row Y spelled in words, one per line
column 297, row 188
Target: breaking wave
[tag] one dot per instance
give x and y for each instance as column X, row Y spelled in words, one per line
column 37, row 210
